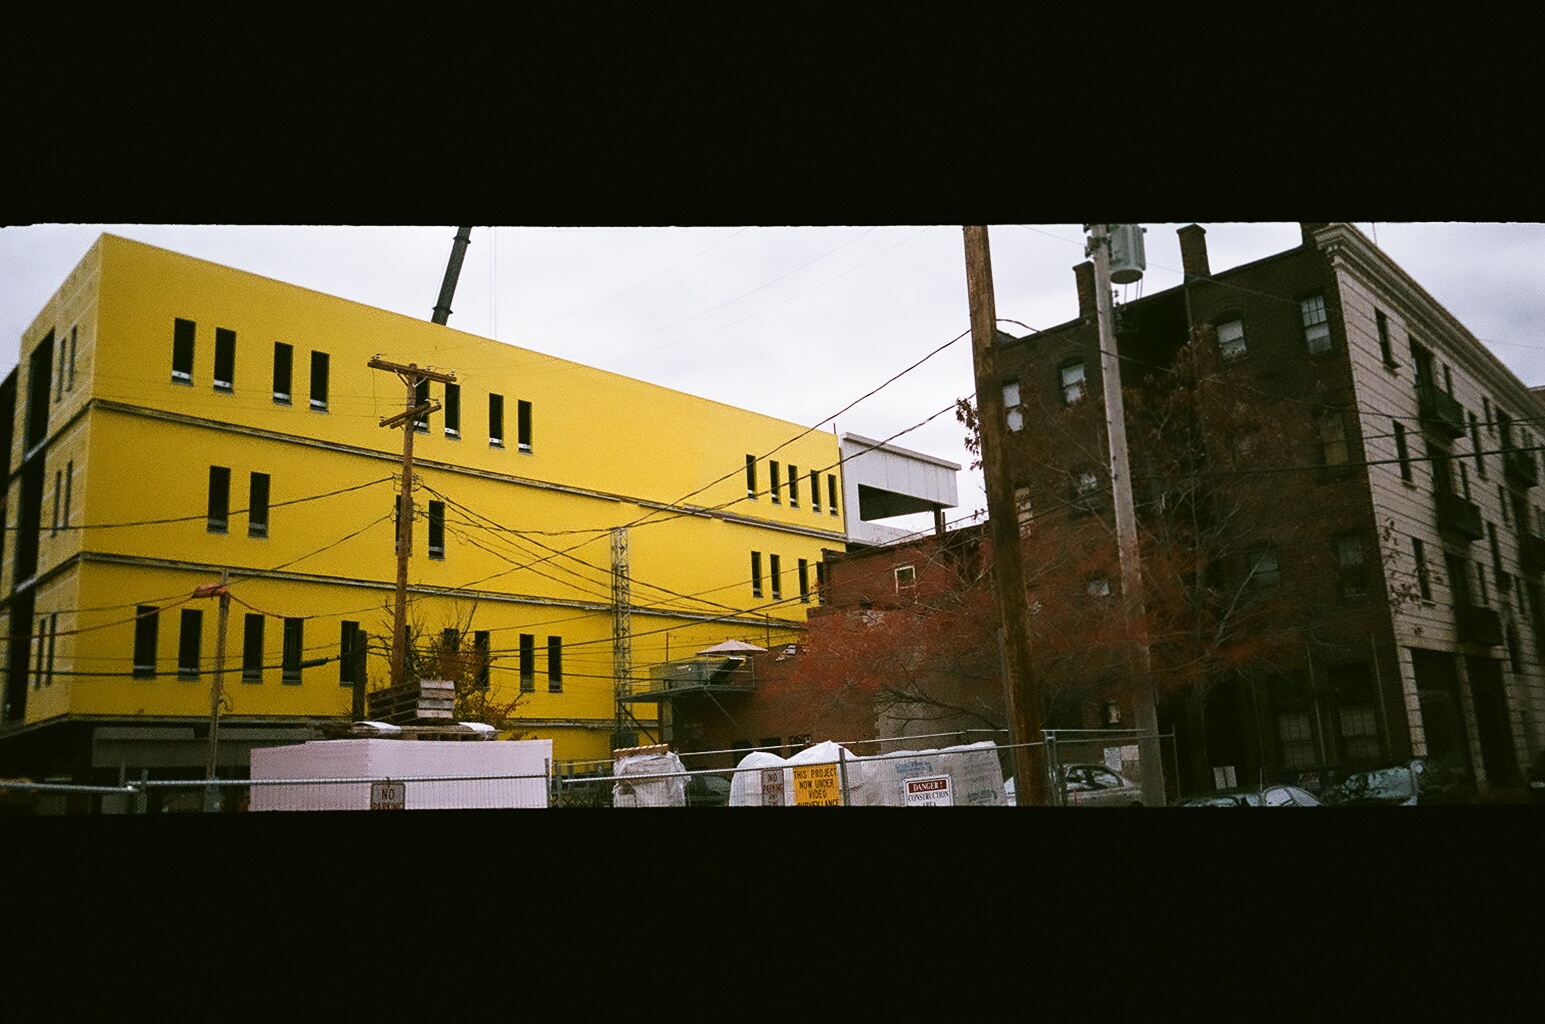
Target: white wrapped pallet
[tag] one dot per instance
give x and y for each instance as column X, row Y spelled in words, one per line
column 670, row 791
column 508, row 773
column 747, row 786
column 973, row 770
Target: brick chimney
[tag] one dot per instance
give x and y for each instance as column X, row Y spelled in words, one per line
column 1193, row 251
column 1084, row 275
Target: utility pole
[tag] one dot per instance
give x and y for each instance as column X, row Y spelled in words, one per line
column 411, row 376
column 622, row 631
column 217, row 689
column 1020, row 686
column 1141, row 674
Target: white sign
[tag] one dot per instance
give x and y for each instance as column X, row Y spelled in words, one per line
column 1113, row 758
column 388, row 796
column 772, row 787
column 929, row 792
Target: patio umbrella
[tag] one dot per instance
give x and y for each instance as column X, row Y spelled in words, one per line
column 732, row 647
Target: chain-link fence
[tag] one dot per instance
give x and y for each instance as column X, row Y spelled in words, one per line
column 1080, row 768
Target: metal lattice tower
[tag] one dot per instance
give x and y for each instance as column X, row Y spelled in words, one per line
column 622, row 627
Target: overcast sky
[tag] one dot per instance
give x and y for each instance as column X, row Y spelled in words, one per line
column 792, row 322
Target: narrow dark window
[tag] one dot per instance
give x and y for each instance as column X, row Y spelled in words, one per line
column 58, row 494
column 1402, row 452
column 294, row 650
column 480, row 648
column 219, row 498
column 71, row 385
column 146, row 617
column 793, row 486
column 421, row 398
column 751, row 476
column 815, row 491
column 804, row 581
column 69, row 481
column 756, row 574
column 523, row 426
column 1333, row 440
column 831, row 493
column 496, row 421
column 1316, row 324
column 39, row 642
column 53, row 635
column 450, row 646
column 1265, row 569
column 437, row 529
column 284, row 365
column 59, row 377
column 555, row 664
column 351, row 654
column 188, row 642
column 1353, row 566
column 820, row 582
column 319, row 381
column 1496, row 558
column 257, row 506
column 453, row 410
column 1423, row 580
column 252, row 648
column 182, row 351
column 40, row 368
column 772, row 473
column 775, row 570
column 225, row 359
column 1384, row 346
column 1475, row 445
column 527, row 663
column 1491, row 425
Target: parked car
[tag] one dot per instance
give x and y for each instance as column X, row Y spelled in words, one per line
column 1421, row 781
column 1094, row 785
column 1269, row 796
column 1090, row 785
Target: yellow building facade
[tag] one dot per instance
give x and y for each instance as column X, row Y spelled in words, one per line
column 171, row 419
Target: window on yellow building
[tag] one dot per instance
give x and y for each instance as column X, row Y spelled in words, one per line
column 146, row 617
column 225, row 359
column 252, row 648
column 294, row 650
column 815, row 492
column 284, row 364
column 527, row 663
column 437, row 529
column 793, row 486
column 523, row 426
column 319, row 381
column 182, row 351
column 751, row 476
column 421, row 398
column 831, row 493
column 453, row 410
column 555, row 664
column 496, row 421
column 775, row 570
column 772, row 472
column 257, row 506
column 756, row 574
column 351, row 654
column 484, row 661
column 804, row 581
column 219, row 498
column 188, row 643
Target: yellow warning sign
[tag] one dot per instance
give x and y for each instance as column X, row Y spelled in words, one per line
column 817, row 785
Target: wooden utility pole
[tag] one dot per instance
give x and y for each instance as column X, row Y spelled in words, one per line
column 1020, row 686
column 411, row 376
column 217, row 689
column 1141, row 667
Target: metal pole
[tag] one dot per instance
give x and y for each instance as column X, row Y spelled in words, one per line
column 1022, row 691
column 216, row 690
column 404, row 547
column 1141, row 684
column 842, row 771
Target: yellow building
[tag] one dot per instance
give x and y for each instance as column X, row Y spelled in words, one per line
column 171, row 419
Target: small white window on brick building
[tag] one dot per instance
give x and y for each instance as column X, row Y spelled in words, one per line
column 1295, row 734
column 906, row 576
column 1072, row 382
column 1011, row 410
column 1316, row 324
column 1231, row 340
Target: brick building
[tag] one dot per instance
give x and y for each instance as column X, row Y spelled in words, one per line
column 1355, row 476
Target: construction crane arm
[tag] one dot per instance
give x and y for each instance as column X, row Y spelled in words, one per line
column 442, row 311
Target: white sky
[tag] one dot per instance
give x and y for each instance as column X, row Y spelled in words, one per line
column 792, row 322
